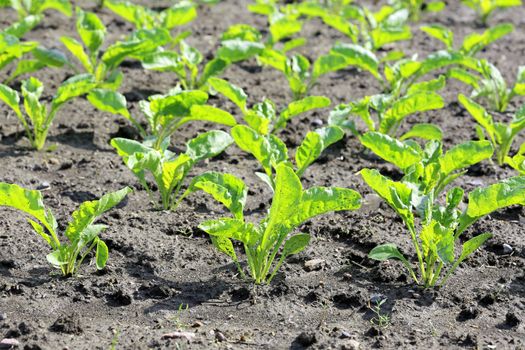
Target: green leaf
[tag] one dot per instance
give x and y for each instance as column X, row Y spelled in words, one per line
column 386, row 35
column 302, row 106
column 211, row 114
column 232, row 92
column 430, row 85
column 208, row 145
column 410, row 104
column 236, row 50
column 475, row 42
column 28, row 201
column 50, row 57
column 393, row 151
column 102, row 254
column 472, row 245
column 75, row 86
column 225, row 188
column 284, row 27
column 483, row 201
column 479, row 114
column 213, row 68
column 11, row 98
column 440, row 33
column 109, row 101
column 23, row 26
column 328, row 63
column 465, row 155
column 91, row 30
column 230, row 228
column 179, row 15
column 162, row 61
column 330, row 135
column 77, row 50
column 309, row 150
column 424, row 131
column 295, row 244
column 88, row 212
column 252, row 142
column 358, row 56
column 387, row 251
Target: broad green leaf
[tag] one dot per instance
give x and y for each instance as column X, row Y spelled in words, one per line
column 162, row 61
column 230, row 228
column 387, row 251
column 330, row 135
column 302, row 106
column 296, row 244
column 252, row 142
column 472, row 245
column 25, row 67
column 166, row 108
column 75, row 86
column 88, row 212
column 102, row 254
column 393, row 151
column 479, row 114
column 430, row 85
column 321, row 200
column 440, row 33
column 475, row 42
column 328, row 63
column 63, row 6
column 11, row 98
column 23, row 26
column 232, row 92
column 109, row 101
column 410, row 104
column 208, row 145
column 342, row 24
column 28, row 201
column 423, row 131
column 179, row 15
column 309, row 150
column 213, row 68
column 284, row 28
column 91, row 30
column 236, row 50
column 211, row 114
column 483, row 201
column 224, row 245
column 384, row 35
column 464, row 76
column 225, row 188
column 241, row 31
column 358, row 56
column 50, row 57
column 465, row 155
column 77, row 50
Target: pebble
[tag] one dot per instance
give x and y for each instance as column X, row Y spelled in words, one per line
column 317, row 122
column 314, row 264
column 377, row 298
column 179, row 335
column 44, row 186
column 371, row 203
column 3, row 316
column 8, row 343
column 220, row 337
column 197, row 324
column 345, row 334
column 351, row 345
column 507, row 249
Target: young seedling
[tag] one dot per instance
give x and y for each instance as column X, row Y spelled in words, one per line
column 372, row 30
column 105, row 67
column 185, row 64
column 283, row 24
column 82, row 233
column 472, row 43
column 390, row 111
column 239, row 43
column 485, row 8
column 263, row 242
column 429, row 169
column 381, row 319
column 517, row 162
column 258, row 137
column 302, row 75
column 489, row 85
column 38, row 118
column 37, row 7
column 168, row 169
column 499, row 134
column 417, row 7
column 441, row 226
column 145, row 18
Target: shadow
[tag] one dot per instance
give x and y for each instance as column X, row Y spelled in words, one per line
column 517, row 286
column 12, row 139
column 39, row 276
column 81, row 140
column 79, row 196
column 136, row 94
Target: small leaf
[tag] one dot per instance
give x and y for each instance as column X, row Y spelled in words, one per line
column 296, row 244
column 208, row 145
column 102, row 254
column 109, row 101
column 358, row 56
column 232, row 92
column 393, row 151
column 424, row 131
column 387, row 251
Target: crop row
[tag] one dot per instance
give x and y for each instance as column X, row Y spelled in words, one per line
column 434, row 212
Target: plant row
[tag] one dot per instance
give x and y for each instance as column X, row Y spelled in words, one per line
column 425, row 199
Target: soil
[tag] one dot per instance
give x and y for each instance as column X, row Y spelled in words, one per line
column 164, row 275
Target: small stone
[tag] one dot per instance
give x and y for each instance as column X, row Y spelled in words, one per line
column 8, row 343
column 3, row 316
column 44, row 186
column 219, row 336
column 371, row 203
column 197, row 324
column 53, row 161
column 317, row 122
column 345, row 334
column 377, row 298
column 179, row 335
column 314, row 264
column 507, row 249
column 306, row 338
column 511, row 319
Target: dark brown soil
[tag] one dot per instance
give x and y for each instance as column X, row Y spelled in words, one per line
column 164, row 275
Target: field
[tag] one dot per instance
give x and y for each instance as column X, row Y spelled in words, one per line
column 164, row 276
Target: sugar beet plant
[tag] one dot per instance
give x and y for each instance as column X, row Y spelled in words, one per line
column 269, row 243
column 485, row 8
column 27, row 8
column 501, row 135
column 427, row 172
column 168, row 169
column 82, row 232
column 38, row 117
